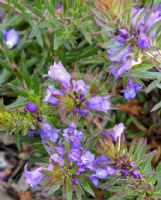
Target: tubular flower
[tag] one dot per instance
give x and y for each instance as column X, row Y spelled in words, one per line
column 59, row 73
column 34, row 177
column 115, row 132
column 131, row 89
column 11, row 38
column 98, row 103
column 48, row 132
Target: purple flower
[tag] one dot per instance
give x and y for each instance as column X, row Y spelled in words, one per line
column 73, row 134
column 153, row 18
column 11, row 38
column 110, row 170
column 115, row 132
column 136, row 12
column 101, row 173
column 79, row 85
column 125, row 172
column 143, row 41
column 158, row 8
column 98, row 103
column 94, row 180
column 118, row 69
column 59, row 149
column 51, row 93
column 57, row 158
column 86, row 161
column 48, row 132
column 123, row 48
column 74, row 181
column 81, row 111
column 31, row 132
column 118, row 130
column 58, row 5
column 123, row 32
column 34, row 177
column 132, row 164
column 74, row 155
column 59, row 8
column 101, row 160
column 121, row 39
column 143, row 25
column 72, row 96
column 131, row 88
column 118, row 54
column 31, row 107
column 59, row 73
column 4, row 175
column 136, row 174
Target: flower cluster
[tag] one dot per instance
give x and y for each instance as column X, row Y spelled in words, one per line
column 78, row 160
column 140, row 35
column 72, row 95
column 47, row 132
column 111, row 147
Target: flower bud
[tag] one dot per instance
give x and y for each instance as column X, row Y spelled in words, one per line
column 143, row 41
column 136, row 174
column 31, row 107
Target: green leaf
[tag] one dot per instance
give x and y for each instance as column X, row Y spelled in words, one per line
column 78, row 191
column 69, row 189
column 116, row 197
column 26, row 77
column 18, row 5
column 18, row 143
column 152, row 86
column 56, row 41
column 39, row 37
column 146, row 75
column 138, row 149
column 140, row 197
column 35, row 85
column 87, row 35
column 156, row 107
column 87, row 188
column 4, row 76
column 50, row 7
column 53, row 190
column 36, row 32
column 39, row 4
column 157, row 194
column 36, row 11
column 20, row 101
